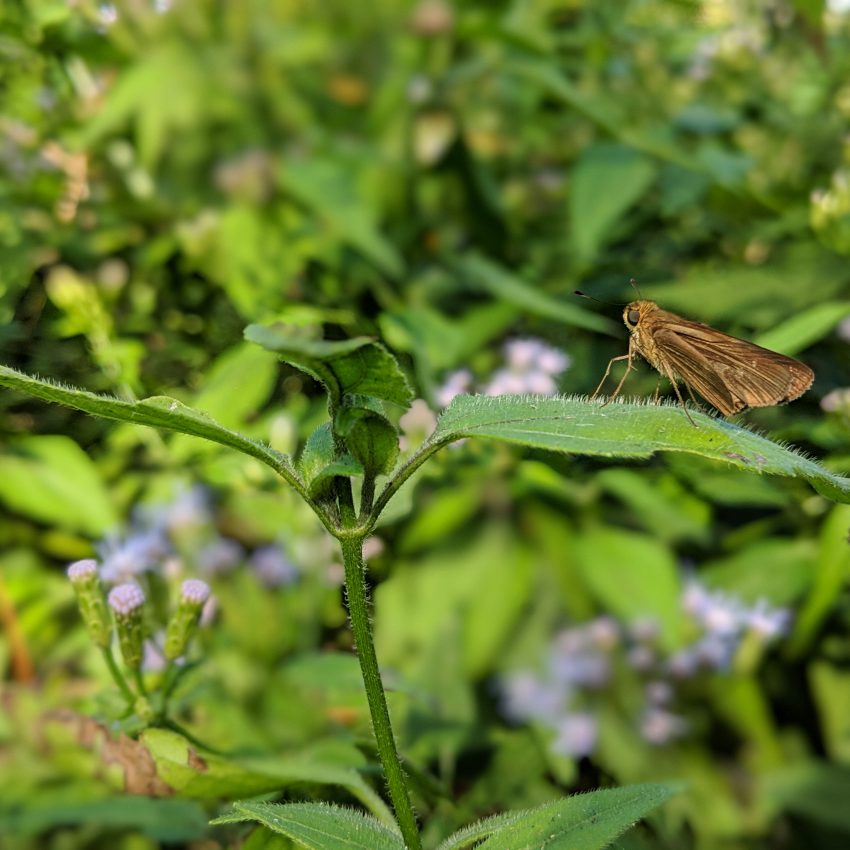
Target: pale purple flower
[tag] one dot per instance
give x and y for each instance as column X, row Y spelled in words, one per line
column 644, row 630
column 208, row 612
column 659, row 726
column 522, row 354
column 684, row 663
column 571, row 641
column 717, row 612
column 125, row 559
column 576, row 734
column 695, row 598
column 766, row 621
column 172, row 567
column 553, row 361
column 272, row 566
column 641, row 658
column 836, row 400
column 604, row 632
column 126, row 599
column 539, row 383
column 107, row 14
column 82, row 570
column 153, row 659
column 194, row 591
column 220, row 556
column 525, row 696
column 505, row 382
column 456, row 383
column 659, row 692
column 586, row 669
column 189, row 510
column 715, row 651
column 527, row 355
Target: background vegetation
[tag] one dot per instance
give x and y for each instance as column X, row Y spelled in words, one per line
column 442, row 177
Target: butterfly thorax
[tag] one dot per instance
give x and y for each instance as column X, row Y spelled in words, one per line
column 637, row 317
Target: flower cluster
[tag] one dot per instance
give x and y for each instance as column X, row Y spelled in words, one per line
column 531, row 367
column 181, row 537
column 583, row 661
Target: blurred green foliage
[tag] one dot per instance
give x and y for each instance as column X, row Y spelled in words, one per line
column 441, row 176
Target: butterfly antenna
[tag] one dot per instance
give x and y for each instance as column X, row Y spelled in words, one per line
column 597, row 300
column 633, row 282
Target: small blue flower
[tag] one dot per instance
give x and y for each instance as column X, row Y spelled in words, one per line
column 220, row 556
column 128, row 558
column 576, row 734
column 272, row 566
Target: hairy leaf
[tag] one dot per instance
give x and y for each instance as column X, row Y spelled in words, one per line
column 319, row 826
column 627, row 430
column 581, row 822
column 353, row 366
column 156, row 411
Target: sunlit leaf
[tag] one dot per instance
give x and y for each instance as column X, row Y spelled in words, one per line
column 628, row 430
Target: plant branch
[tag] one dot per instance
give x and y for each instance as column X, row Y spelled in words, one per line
column 358, row 611
column 423, row 453
column 118, row 677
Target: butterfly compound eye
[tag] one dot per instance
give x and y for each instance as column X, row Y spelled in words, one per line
column 633, row 317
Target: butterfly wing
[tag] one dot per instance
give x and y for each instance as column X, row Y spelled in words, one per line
column 730, row 373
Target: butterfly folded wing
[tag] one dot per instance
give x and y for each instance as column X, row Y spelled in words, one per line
column 730, row 373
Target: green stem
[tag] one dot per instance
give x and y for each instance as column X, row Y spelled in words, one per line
column 394, row 484
column 181, row 730
column 358, row 612
column 367, row 496
column 118, row 676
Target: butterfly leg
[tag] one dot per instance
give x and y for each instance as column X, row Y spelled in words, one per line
column 657, row 390
column 608, row 372
column 693, row 398
column 629, row 368
column 672, row 378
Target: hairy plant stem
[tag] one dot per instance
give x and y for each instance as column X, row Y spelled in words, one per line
column 361, row 627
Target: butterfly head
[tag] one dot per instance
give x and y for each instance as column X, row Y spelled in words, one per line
column 635, row 312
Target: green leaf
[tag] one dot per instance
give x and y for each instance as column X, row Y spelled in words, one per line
column 481, row 273
column 804, row 329
column 328, row 189
column 626, row 430
column 319, row 826
column 484, row 585
column 756, row 296
column 370, row 437
column 358, row 366
column 52, row 480
column 168, row 820
column 205, row 776
column 663, row 506
column 157, row 411
column 816, row 791
column 743, row 572
column 581, row 822
column 234, row 389
column 607, row 179
column 633, row 577
column 831, row 571
column 163, row 93
column 319, row 464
